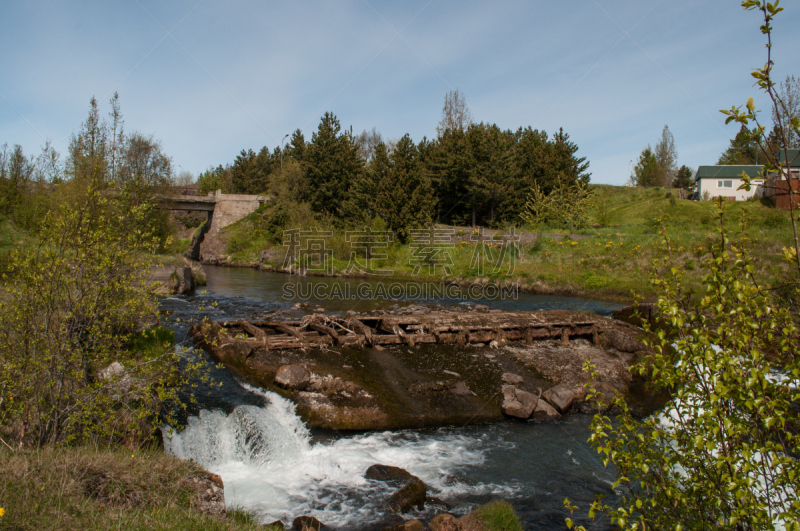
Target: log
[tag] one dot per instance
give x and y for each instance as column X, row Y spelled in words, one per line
column 442, row 328
column 253, row 330
column 325, row 330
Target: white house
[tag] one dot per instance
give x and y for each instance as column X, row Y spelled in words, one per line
column 724, row 181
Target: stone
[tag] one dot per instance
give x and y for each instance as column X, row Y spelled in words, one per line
column 294, row 377
column 181, row 280
column 494, row 344
column 114, row 370
column 408, row 525
column 517, row 403
column 512, row 379
column 410, row 495
column 560, row 397
column 389, row 474
column 444, row 522
column 216, row 480
column 528, row 400
column 509, row 391
column 210, row 494
column 623, row 341
column 545, row 411
column 646, row 312
column 461, row 389
column 306, row 523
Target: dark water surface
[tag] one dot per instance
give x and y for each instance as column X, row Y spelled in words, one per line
column 272, row 465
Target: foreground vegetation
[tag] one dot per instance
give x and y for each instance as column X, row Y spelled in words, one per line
column 609, row 260
column 84, row 488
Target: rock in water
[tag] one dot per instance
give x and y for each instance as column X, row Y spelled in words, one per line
column 545, row 411
column 389, row 474
column 444, row 522
column 294, row 377
column 306, row 523
column 528, row 400
column 411, row 495
column 560, row 396
column 517, row 403
column 408, row 525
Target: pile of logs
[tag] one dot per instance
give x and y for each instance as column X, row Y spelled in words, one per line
column 457, row 328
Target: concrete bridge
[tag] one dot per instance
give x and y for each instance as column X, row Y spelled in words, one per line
column 221, row 210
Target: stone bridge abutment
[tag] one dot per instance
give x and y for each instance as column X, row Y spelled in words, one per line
column 221, row 210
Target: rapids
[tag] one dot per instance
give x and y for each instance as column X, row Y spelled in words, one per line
column 274, row 467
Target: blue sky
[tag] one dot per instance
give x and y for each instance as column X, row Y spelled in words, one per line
column 210, row 78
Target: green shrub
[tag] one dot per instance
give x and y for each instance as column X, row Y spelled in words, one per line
column 499, row 515
column 592, row 281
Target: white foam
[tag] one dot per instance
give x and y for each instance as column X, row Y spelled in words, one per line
column 270, row 467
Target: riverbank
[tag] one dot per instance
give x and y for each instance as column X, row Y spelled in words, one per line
column 83, row 488
column 612, row 261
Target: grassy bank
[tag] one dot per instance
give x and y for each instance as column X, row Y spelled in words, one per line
column 610, row 261
column 85, row 488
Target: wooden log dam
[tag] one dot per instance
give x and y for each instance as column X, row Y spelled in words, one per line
column 453, row 328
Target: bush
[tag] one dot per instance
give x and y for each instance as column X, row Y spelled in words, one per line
column 71, row 306
column 723, row 452
column 499, row 515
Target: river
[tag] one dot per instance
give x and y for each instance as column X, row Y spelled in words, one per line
column 274, row 466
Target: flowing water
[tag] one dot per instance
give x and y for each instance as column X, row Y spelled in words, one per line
column 275, row 467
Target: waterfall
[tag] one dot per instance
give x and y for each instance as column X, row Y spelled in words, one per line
column 270, row 466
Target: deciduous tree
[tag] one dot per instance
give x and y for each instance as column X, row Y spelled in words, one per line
column 456, row 116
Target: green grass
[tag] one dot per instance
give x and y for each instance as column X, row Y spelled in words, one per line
column 153, row 342
column 612, row 259
column 498, row 516
column 86, row 489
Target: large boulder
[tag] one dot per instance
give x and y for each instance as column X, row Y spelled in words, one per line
column 545, row 411
column 295, row 377
column 389, row 474
column 444, row 522
column 561, row 397
column 518, row 403
column 410, row 495
column 408, row 525
column 306, row 523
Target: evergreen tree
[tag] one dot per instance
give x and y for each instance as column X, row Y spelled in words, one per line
column 742, row 149
column 332, row 164
column 645, row 173
column 448, row 164
column 361, row 205
column 683, row 181
column 491, row 174
column 566, row 163
column 405, row 198
column 297, row 146
column 250, row 171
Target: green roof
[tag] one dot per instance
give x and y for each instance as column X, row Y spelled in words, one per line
column 727, row 171
column 794, row 160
